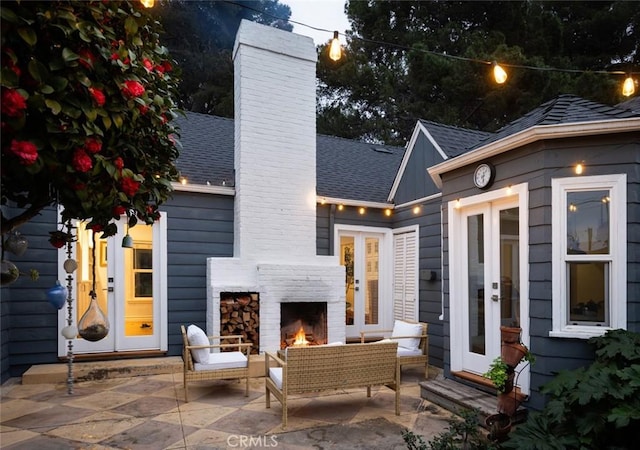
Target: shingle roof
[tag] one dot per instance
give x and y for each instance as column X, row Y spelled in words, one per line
column 345, row 169
column 563, row 109
column 454, row 140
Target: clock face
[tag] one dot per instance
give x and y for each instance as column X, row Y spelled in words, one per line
column 483, row 176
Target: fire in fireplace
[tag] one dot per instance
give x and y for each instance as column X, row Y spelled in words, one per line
column 303, row 323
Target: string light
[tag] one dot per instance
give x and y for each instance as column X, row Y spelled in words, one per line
column 335, row 50
column 628, row 87
column 147, row 3
column 444, row 55
column 387, row 212
column 579, row 169
column 362, row 210
column 416, row 210
column 499, row 74
column 340, row 207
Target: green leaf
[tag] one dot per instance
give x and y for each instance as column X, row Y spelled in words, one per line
column 53, row 105
column 8, row 15
column 37, row 70
column 59, row 83
column 46, row 89
column 130, row 25
column 91, row 113
column 117, row 120
column 56, row 63
column 8, row 78
column 69, row 55
column 106, row 120
column 28, row 35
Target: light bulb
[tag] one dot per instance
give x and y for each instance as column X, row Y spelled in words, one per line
column 147, row 3
column 499, row 74
column 361, row 210
column 579, row 169
column 628, row 87
column 387, row 212
column 416, row 210
column 335, row 51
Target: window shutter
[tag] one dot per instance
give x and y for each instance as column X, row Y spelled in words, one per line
column 405, row 301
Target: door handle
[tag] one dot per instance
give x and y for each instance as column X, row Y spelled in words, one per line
column 495, row 297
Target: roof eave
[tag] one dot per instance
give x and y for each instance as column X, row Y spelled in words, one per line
column 533, row 134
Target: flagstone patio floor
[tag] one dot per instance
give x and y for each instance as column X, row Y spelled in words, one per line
column 149, row 412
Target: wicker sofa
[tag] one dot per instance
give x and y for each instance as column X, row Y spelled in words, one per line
column 299, row 370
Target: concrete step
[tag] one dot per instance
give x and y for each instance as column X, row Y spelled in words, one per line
column 100, row 370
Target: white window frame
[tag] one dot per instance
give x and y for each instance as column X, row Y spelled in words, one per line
column 617, row 257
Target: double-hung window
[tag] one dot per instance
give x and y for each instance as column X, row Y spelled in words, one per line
column 589, row 228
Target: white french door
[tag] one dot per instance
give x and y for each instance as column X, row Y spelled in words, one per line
column 488, row 278
column 364, row 253
column 129, row 283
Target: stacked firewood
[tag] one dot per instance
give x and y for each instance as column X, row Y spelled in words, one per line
column 240, row 316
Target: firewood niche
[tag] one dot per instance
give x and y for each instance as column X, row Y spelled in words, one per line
column 240, row 315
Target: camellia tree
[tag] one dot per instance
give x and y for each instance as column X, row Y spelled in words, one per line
column 88, row 99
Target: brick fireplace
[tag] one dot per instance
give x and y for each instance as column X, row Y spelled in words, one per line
column 275, row 183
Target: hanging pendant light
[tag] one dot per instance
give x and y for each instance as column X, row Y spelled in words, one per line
column 335, row 50
column 127, row 240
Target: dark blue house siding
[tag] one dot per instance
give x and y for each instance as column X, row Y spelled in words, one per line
column 198, row 226
column 537, row 164
column 29, row 322
column 415, row 181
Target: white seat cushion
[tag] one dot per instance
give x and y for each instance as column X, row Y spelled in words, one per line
column 401, row 328
column 223, row 360
column 408, row 352
column 196, row 336
column 275, row 373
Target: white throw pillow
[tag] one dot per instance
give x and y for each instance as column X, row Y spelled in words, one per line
column 196, row 336
column 403, row 329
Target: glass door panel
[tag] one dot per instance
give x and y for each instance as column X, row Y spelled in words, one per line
column 476, row 283
column 371, row 282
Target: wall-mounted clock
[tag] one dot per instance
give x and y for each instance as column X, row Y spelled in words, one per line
column 483, row 175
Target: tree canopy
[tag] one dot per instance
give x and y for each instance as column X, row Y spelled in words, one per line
column 394, row 74
column 201, row 34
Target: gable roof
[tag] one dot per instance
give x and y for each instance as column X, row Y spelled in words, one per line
column 454, row 140
column 346, row 169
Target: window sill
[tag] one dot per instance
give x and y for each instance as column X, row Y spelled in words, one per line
column 579, row 333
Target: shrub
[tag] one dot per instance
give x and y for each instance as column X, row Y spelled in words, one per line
column 594, row 407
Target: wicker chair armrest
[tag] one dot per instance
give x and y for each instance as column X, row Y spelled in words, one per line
column 240, row 346
column 276, row 358
column 372, row 332
column 413, row 336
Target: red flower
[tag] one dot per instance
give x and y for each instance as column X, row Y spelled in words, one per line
column 98, row 96
column 159, row 68
column 143, row 109
column 167, row 66
column 86, row 58
column 96, row 228
column 119, row 163
column 126, row 61
column 92, row 145
column 81, row 161
column 25, row 150
column 132, row 88
column 14, row 68
column 130, row 186
column 79, row 186
column 13, row 103
column 119, row 210
column 57, row 243
column 147, row 64
column 114, row 56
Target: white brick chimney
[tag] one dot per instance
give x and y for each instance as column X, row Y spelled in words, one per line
column 275, row 182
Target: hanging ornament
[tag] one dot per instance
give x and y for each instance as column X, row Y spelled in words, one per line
column 57, row 295
column 16, row 243
column 93, row 325
column 69, row 332
column 70, row 265
column 8, row 272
